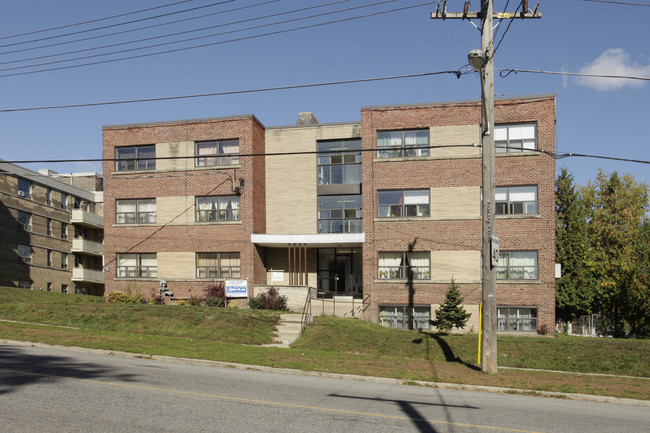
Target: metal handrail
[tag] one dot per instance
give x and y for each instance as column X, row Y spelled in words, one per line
column 306, row 310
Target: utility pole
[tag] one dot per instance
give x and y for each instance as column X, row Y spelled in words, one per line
column 483, row 61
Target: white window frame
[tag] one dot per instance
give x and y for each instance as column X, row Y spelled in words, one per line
column 517, row 137
column 519, row 272
column 218, row 265
column 136, row 265
column 142, row 211
column 403, row 143
column 395, row 316
column 215, row 208
column 409, row 205
column 395, row 265
column 220, row 156
column 516, row 200
column 516, row 318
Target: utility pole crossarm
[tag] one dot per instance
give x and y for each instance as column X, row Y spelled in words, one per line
column 477, row 15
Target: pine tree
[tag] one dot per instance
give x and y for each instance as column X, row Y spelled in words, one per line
column 450, row 313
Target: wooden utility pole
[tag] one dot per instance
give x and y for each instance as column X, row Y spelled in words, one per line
column 489, row 240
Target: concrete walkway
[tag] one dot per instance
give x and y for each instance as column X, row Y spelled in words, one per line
column 287, row 330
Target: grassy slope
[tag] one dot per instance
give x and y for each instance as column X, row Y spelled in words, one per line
column 330, row 344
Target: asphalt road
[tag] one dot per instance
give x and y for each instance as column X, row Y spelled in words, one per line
column 53, row 390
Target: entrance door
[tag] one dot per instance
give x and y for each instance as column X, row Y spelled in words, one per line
column 339, row 270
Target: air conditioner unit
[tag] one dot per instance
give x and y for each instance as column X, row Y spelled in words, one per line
column 27, row 227
column 21, row 193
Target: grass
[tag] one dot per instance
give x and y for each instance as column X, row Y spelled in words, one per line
column 329, row 344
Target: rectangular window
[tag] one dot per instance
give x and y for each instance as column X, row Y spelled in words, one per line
column 404, row 265
column 217, row 265
column 517, row 265
column 135, row 158
column 64, row 231
column 49, row 287
column 64, row 261
column 403, row 203
column 396, row 316
column 64, row 288
column 339, row 213
column 136, row 211
column 515, row 200
column 137, row 265
column 25, row 220
column 517, row 319
column 406, row 143
column 24, row 188
column 339, row 162
column 49, row 227
column 217, row 153
column 24, row 284
column 25, row 253
column 48, row 197
column 515, row 138
column 217, row 208
column 50, row 260
column 64, row 201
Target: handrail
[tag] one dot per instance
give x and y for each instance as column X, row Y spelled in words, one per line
column 306, row 310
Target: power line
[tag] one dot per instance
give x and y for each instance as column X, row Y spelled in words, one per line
column 618, row 3
column 506, row 71
column 243, row 38
column 92, row 21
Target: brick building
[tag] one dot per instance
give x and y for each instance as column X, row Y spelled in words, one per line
column 385, row 211
column 52, row 230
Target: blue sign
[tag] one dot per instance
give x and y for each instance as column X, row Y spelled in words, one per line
column 237, row 288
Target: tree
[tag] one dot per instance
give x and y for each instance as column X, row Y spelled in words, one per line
column 639, row 310
column 575, row 289
column 618, row 207
column 450, row 313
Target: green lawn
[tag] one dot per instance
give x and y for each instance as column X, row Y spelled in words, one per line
column 329, row 344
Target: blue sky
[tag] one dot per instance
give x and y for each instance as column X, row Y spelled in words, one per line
column 598, row 116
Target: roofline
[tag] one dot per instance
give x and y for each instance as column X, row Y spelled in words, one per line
column 316, row 125
column 184, row 121
column 467, row 101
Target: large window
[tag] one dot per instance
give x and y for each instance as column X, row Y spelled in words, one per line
column 408, row 143
column 339, row 213
column 25, row 220
column 517, row 319
column 137, row 266
column 217, row 208
column 217, row 265
column 404, row 265
column 24, row 188
column 25, row 253
column 515, row 138
column 218, row 152
column 403, row 203
column 517, row 265
column 136, row 158
column 138, row 211
column 395, row 316
column 513, row 200
column 341, row 164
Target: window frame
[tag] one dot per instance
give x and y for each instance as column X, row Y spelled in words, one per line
column 515, row 323
column 401, row 207
column 22, row 251
column 215, row 214
column 24, row 188
column 139, row 270
column 400, row 272
column 402, row 150
column 139, row 217
column 510, row 207
column 347, row 156
column 511, row 271
column 218, row 158
column 399, row 316
column 508, row 148
column 135, row 162
column 217, row 270
column 25, row 220
column 347, row 222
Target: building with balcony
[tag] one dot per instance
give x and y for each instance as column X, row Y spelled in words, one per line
column 384, row 211
column 52, row 237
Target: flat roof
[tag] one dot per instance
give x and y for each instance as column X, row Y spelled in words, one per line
column 467, row 101
column 183, row 121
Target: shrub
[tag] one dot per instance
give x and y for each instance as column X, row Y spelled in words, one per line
column 180, row 302
column 215, row 294
column 271, row 300
column 118, row 298
column 158, row 299
column 195, row 300
column 451, row 313
column 233, row 304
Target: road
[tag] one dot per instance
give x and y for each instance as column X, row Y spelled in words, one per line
column 51, row 390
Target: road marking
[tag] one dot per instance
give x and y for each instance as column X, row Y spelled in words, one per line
column 273, row 403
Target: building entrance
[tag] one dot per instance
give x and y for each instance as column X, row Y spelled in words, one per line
column 339, row 271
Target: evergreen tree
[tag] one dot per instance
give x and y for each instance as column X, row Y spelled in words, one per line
column 575, row 289
column 450, row 313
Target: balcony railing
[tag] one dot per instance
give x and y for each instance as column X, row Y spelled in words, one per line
column 90, row 248
column 87, row 275
column 88, row 219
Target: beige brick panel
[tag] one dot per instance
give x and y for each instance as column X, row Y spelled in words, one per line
column 176, row 265
column 456, row 203
column 462, row 266
column 472, row 322
column 179, row 149
column 455, row 135
column 175, row 210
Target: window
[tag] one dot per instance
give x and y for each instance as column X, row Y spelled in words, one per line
column 49, row 287
column 395, row 144
column 50, row 254
column 517, row 319
column 514, row 200
column 49, row 227
column 137, row 266
column 399, row 266
column 64, row 201
column 24, row 188
column 217, row 208
column 76, row 203
column 64, row 261
column 403, row 203
column 25, row 220
column 25, row 253
column 517, row 265
column 341, row 164
column 136, row 158
column 217, row 265
column 393, row 316
column 138, row 211
column 515, row 138
column 64, row 231
column 218, row 152
column 48, row 197
column 64, row 288
column 24, row 284
column 339, row 213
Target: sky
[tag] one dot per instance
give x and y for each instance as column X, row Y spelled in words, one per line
column 596, row 116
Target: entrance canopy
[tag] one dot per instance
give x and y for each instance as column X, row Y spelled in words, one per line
column 322, row 240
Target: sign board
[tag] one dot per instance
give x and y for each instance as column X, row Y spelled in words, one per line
column 277, row 276
column 236, row 288
column 494, row 250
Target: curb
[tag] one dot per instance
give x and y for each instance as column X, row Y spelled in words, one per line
column 441, row 385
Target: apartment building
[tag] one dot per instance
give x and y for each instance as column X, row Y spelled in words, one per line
column 52, row 230
column 385, row 210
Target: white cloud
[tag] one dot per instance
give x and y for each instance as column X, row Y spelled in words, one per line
column 614, row 61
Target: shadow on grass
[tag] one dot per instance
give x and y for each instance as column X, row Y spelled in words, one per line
column 444, row 346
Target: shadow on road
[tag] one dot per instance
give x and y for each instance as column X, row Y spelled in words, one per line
column 19, row 368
